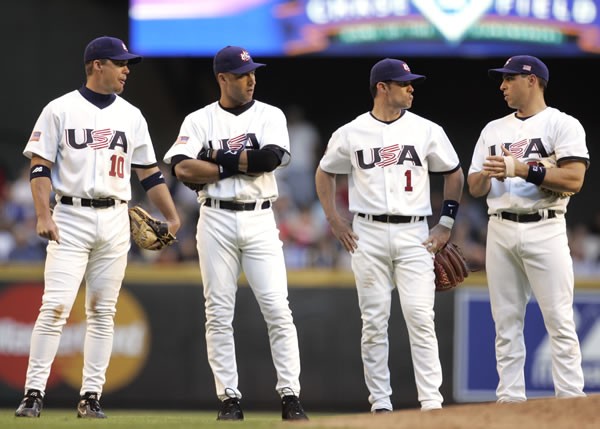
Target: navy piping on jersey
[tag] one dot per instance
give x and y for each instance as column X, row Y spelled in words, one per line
column 388, row 122
column 99, row 100
column 237, row 110
column 444, row 172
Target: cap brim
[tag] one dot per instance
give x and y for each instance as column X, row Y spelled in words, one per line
column 131, row 58
column 415, row 78
column 246, row 68
column 498, row 72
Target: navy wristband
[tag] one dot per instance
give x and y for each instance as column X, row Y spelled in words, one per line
column 536, row 174
column 152, row 180
column 39, row 170
column 224, row 172
column 450, row 208
column 229, row 159
column 205, row 155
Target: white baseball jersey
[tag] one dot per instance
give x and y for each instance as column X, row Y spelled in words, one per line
column 550, row 131
column 525, row 258
column 393, row 158
column 229, row 241
column 214, row 127
column 93, row 149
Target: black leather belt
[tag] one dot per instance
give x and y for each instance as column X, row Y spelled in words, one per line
column 236, row 207
column 523, row 218
column 101, row 203
column 392, row 218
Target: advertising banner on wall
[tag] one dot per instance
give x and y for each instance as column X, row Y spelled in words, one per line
column 159, row 357
column 19, row 305
column 475, row 376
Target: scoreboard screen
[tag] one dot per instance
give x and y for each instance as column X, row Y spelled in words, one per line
column 446, row 28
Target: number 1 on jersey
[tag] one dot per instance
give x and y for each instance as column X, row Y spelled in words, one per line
column 408, row 175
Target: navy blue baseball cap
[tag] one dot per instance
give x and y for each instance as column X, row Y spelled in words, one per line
column 523, row 64
column 109, row 48
column 233, row 59
column 391, row 69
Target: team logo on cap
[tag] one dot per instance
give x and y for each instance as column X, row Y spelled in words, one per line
column 124, row 47
column 406, row 67
column 245, row 56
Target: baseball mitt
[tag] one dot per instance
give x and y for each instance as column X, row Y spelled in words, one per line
column 450, row 267
column 147, row 232
column 550, row 162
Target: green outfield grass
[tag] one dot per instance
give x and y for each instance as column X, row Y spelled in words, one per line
column 127, row 419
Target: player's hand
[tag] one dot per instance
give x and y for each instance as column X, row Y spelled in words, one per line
column 46, row 228
column 343, row 232
column 514, row 167
column 438, row 237
column 495, row 167
column 174, row 226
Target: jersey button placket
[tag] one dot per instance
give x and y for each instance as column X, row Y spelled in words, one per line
column 389, row 184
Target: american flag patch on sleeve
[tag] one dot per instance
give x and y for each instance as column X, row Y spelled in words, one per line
column 182, row 140
column 35, row 136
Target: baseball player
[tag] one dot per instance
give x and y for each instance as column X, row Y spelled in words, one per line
column 527, row 250
column 83, row 147
column 239, row 142
column 389, row 154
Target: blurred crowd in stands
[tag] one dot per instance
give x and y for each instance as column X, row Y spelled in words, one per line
column 304, row 231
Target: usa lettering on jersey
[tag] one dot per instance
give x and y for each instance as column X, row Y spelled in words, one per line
column 96, row 139
column 523, row 148
column 388, row 155
column 233, row 144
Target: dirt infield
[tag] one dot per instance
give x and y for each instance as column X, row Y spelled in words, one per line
column 577, row 413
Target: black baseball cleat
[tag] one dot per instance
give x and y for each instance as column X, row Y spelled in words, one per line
column 381, row 411
column 230, row 410
column 31, row 405
column 89, row 407
column 291, row 408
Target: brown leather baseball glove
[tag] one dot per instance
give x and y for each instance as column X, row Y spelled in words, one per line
column 147, row 232
column 550, row 162
column 450, row 267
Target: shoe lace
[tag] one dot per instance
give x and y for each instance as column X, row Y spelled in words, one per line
column 31, row 398
column 92, row 402
column 231, row 403
column 30, row 401
column 292, row 405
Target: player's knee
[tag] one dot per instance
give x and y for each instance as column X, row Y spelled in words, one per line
column 417, row 316
column 54, row 314
column 372, row 337
column 278, row 316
